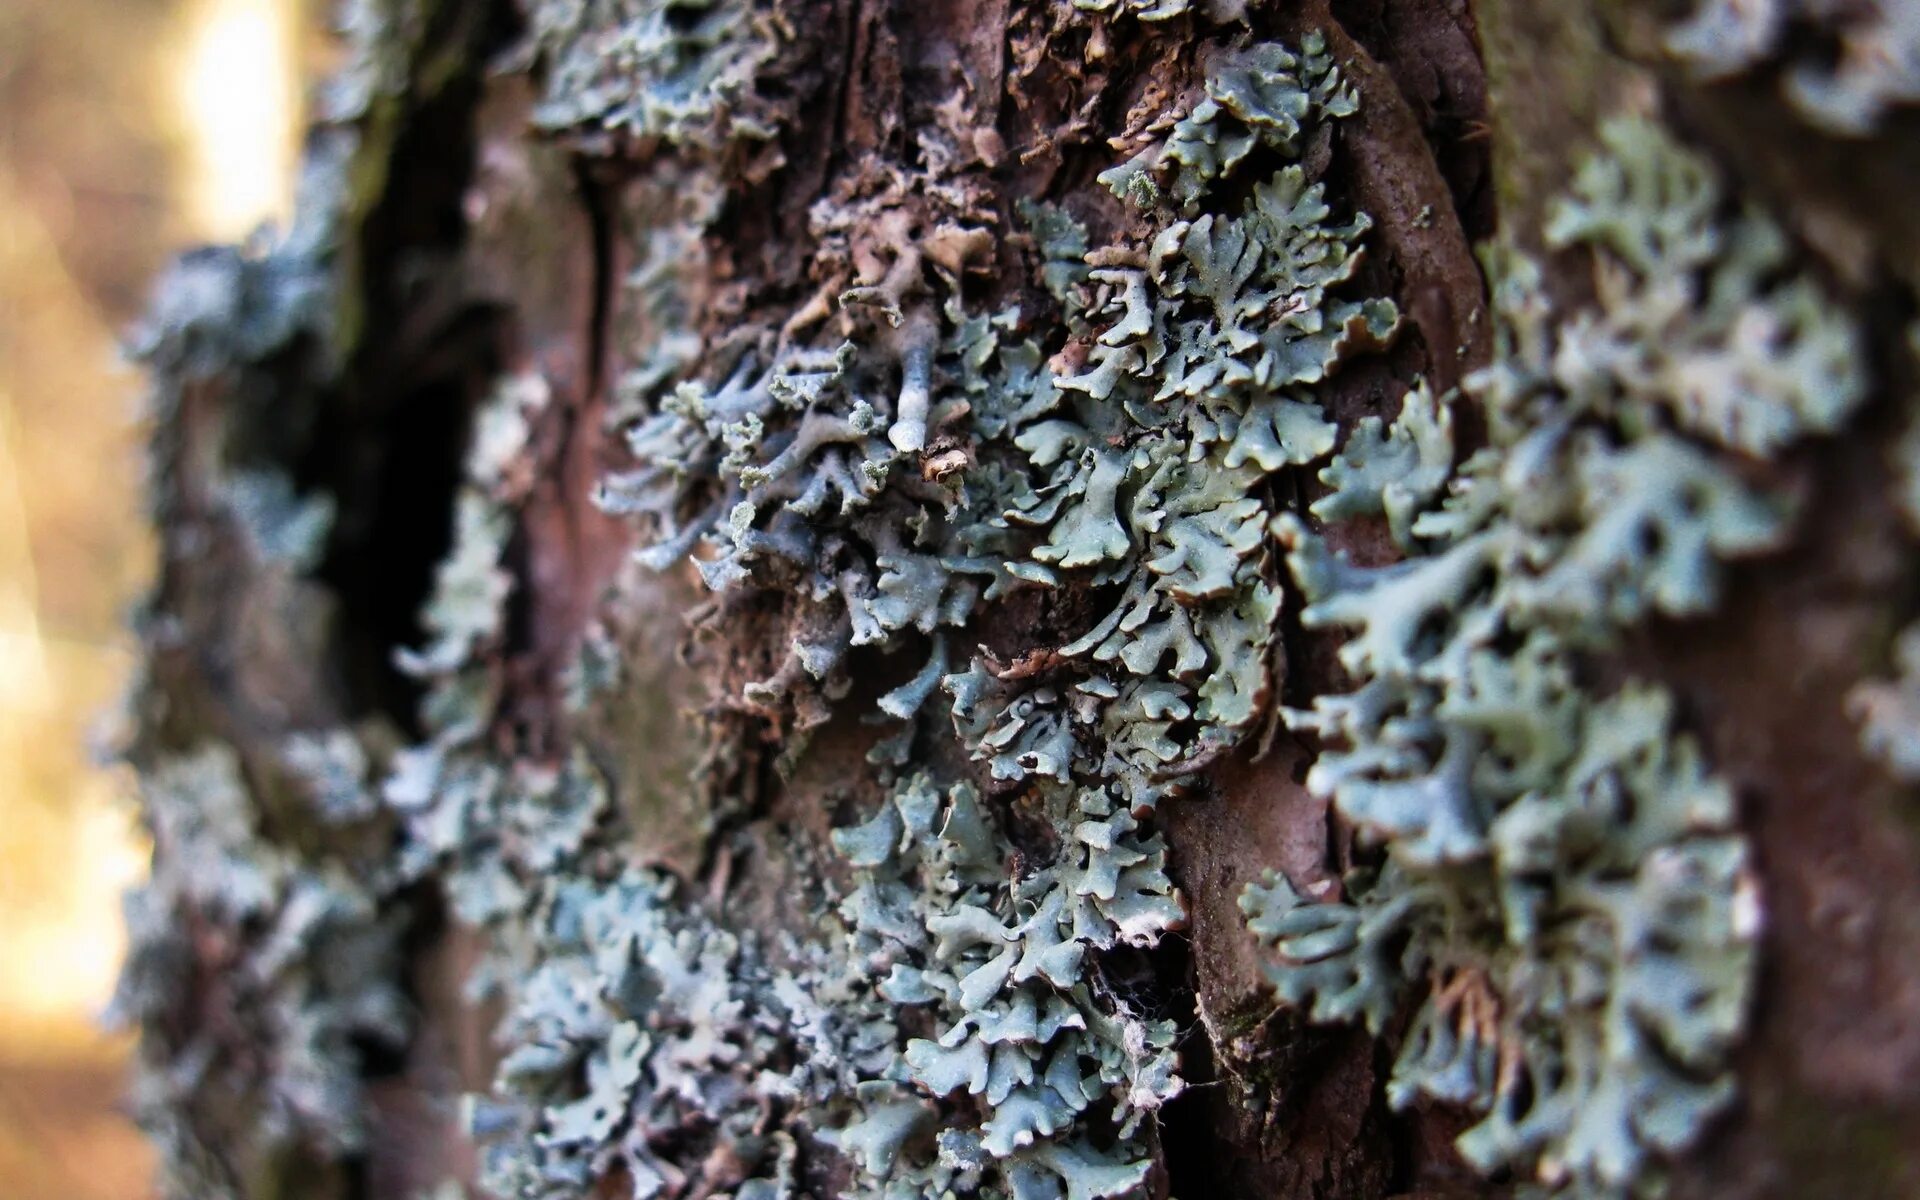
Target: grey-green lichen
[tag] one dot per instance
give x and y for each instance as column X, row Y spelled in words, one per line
column 307, row 973
column 1864, row 61
column 1263, row 95
column 889, row 464
column 1699, row 323
column 631, row 1021
column 264, row 950
column 1888, row 710
column 637, row 1024
column 893, row 464
column 1558, row 877
column 1555, row 864
column 487, row 831
column 677, row 71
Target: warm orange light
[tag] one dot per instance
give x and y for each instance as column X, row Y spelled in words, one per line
column 238, row 101
column 69, row 845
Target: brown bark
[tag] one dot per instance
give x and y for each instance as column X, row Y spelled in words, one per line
column 1470, row 117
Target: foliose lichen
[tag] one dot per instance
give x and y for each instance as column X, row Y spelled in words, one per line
column 263, row 963
column 896, row 461
column 894, row 464
column 677, row 71
column 483, row 828
column 305, row 978
column 1888, row 710
column 1866, row 61
column 1553, row 871
column 630, row 1021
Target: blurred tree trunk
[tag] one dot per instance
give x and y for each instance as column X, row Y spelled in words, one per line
column 464, row 242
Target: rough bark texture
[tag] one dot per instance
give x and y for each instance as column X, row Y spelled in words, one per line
column 464, row 239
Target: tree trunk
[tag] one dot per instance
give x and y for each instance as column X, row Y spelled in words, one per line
column 1126, row 598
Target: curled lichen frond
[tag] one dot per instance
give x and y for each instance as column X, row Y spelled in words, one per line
column 1001, row 969
column 1889, row 712
column 889, row 463
column 1699, row 320
column 1265, row 95
column 259, row 1051
column 1557, row 868
column 828, row 460
column 1395, row 471
column 680, row 71
column 1864, row 62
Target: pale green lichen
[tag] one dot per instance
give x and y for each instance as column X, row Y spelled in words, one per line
column 1888, row 710
column 307, row 981
column 1555, row 864
column 884, row 464
column 635, row 1018
column 1000, row 968
column 892, row 464
column 1263, row 95
column 1698, row 321
column 1864, row 62
column 264, row 950
column 680, row 71
column 488, row 831
column 1395, row 471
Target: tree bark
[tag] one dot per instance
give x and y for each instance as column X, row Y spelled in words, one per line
column 391, row 454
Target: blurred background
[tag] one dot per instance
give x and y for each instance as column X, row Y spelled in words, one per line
column 129, row 129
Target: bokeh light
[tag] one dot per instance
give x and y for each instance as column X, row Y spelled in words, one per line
column 128, row 130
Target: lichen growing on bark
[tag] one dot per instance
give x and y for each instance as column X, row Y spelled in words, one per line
column 1888, row 709
column 1555, row 864
column 951, row 414
column 1846, row 66
column 263, row 966
column 899, row 464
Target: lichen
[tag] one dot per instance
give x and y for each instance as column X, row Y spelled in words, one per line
column 875, row 462
column 486, row 830
column 636, row 1018
column 264, row 950
column 1888, row 710
column 263, row 1045
column 1552, row 865
column 1865, row 62
column 894, row 464
column 677, row 71
column 1262, row 95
